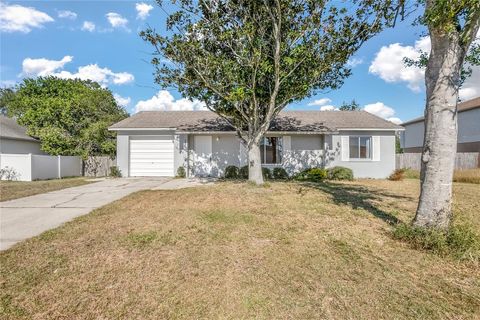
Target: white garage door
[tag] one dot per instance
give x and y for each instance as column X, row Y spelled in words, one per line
column 151, row 157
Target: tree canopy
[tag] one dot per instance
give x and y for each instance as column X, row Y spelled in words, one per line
column 70, row 117
column 248, row 59
column 350, row 106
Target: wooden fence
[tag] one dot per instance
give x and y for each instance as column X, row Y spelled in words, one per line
column 98, row 166
column 464, row 160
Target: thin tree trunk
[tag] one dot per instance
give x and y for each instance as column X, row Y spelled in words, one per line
column 254, row 164
column 440, row 145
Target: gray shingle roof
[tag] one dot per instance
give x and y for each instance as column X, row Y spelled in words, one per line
column 9, row 128
column 304, row 121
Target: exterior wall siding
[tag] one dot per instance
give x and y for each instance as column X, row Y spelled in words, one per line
column 15, row 146
column 468, row 133
column 364, row 168
column 300, row 152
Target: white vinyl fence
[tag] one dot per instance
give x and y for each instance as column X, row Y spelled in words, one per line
column 28, row 167
column 463, row 160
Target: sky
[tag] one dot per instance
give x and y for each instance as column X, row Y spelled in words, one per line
column 99, row 40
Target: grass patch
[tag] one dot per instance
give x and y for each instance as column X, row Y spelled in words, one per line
column 465, row 176
column 460, row 242
column 10, row 190
column 233, row 251
column 141, row 239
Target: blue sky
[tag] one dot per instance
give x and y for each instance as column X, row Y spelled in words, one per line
column 99, row 40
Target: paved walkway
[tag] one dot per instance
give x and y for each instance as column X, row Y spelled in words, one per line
column 26, row 217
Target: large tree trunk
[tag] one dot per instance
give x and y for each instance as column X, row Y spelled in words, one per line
column 254, row 164
column 440, row 144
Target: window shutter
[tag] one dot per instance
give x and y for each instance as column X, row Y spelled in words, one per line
column 345, row 148
column 287, row 143
column 376, row 148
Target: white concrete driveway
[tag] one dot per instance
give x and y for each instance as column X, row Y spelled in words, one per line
column 27, row 217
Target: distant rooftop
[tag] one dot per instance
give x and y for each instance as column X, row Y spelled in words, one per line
column 461, row 107
column 10, row 129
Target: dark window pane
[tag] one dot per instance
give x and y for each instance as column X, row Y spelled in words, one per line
column 354, row 148
column 271, row 150
column 365, row 147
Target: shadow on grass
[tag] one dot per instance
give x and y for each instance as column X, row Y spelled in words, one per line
column 359, row 197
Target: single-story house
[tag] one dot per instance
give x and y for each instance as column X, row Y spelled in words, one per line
column 468, row 122
column 15, row 140
column 157, row 143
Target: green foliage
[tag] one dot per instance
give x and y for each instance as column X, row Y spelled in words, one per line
column 397, row 175
column 266, row 173
column 71, row 117
column 141, row 239
column 340, row 173
column 280, row 173
column 115, row 172
column 456, row 19
column 243, row 172
column 6, row 96
column 460, row 242
column 312, row 174
column 398, row 146
column 181, row 173
column 248, row 59
column 350, row 106
column 231, row 172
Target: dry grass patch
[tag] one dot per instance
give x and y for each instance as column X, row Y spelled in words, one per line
column 18, row 189
column 239, row 251
column 467, row 175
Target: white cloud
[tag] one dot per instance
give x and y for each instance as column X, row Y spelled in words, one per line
column 143, row 10
column 45, row 67
column 88, row 26
column 383, row 111
column 328, row 108
column 471, row 87
column 164, row 101
column 7, row 83
column 320, row 102
column 353, row 62
column 67, row 14
column 389, row 65
column 116, row 20
column 17, row 18
column 123, row 101
column 395, row 120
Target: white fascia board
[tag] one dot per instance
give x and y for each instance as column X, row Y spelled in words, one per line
column 370, row 129
column 141, row 129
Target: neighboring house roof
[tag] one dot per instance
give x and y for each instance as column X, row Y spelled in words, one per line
column 10, row 129
column 461, row 107
column 286, row 121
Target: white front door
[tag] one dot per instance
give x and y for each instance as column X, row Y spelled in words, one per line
column 151, row 156
column 203, row 155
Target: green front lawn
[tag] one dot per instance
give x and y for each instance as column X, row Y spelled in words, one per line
column 18, row 189
column 233, row 250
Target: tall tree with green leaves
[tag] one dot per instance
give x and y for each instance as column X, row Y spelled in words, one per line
column 350, row 106
column 453, row 26
column 248, row 59
column 71, row 117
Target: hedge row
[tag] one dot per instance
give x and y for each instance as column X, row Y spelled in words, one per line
column 311, row 174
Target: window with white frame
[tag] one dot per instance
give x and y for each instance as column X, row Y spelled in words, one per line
column 360, row 147
column 271, row 150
